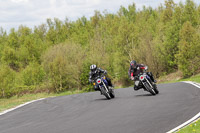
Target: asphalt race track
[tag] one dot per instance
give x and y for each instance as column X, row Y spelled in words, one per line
column 130, row 112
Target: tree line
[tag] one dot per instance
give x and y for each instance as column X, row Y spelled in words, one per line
column 55, row 56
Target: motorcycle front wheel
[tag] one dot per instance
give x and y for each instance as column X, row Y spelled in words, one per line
column 155, row 88
column 148, row 88
column 107, row 95
column 112, row 94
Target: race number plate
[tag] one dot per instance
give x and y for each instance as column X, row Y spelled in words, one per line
column 136, row 83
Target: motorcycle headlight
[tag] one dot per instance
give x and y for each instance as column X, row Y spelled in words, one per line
column 142, row 77
column 98, row 81
column 94, row 83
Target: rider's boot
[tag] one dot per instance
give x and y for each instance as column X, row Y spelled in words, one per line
column 96, row 89
column 111, row 87
column 136, row 88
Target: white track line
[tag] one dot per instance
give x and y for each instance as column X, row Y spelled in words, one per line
column 192, row 119
column 193, row 83
column 6, row 111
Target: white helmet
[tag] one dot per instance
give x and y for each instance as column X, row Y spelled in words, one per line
column 93, row 67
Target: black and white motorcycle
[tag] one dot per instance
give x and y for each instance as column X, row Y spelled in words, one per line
column 145, row 82
column 104, row 88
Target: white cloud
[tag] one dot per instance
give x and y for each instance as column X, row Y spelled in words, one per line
column 18, row 1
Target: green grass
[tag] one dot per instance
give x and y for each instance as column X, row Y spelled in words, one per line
column 173, row 78
column 195, row 78
column 192, row 128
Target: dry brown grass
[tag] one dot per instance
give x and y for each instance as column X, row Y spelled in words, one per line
column 173, row 77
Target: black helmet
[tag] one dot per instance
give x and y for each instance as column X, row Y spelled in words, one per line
column 93, row 68
column 133, row 64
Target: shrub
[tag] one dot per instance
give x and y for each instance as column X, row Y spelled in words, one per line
column 33, row 74
column 63, row 65
column 7, row 84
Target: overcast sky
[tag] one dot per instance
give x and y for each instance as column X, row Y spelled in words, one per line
column 35, row 12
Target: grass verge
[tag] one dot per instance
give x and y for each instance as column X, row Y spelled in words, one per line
column 192, row 128
column 195, row 78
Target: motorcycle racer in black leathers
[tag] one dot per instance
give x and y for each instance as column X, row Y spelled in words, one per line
column 135, row 69
column 94, row 72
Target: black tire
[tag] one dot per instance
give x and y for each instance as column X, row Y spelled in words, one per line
column 112, row 94
column 148, row 88
column 107, row 95
column 156, row 89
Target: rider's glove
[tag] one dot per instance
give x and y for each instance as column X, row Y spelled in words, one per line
column 105, row 72
column 146, row 68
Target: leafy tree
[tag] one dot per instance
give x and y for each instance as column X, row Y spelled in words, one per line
column 81, row 31
column 40, row 32
column 7, row 77
column 84, row 77
column 13, row 39
column 10, row 57
column 130, row 13
column 33, row 74
column 188, row 56
column 63, row 65
column 190, row 13
column 168, row 12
